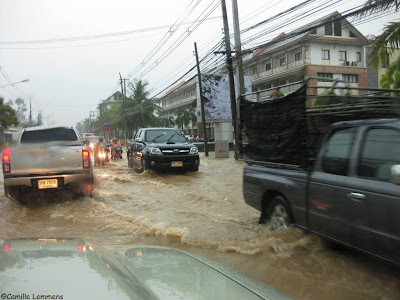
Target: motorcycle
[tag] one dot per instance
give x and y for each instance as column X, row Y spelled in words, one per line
column 101, row 157
column 116, row 153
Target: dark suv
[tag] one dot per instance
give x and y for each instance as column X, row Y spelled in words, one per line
column 162, row 149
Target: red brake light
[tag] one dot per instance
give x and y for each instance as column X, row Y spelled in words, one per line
column 6, row 247
column 6, row 158
column 86, row 159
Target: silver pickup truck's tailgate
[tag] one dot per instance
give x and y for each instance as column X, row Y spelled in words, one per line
column 33, row 159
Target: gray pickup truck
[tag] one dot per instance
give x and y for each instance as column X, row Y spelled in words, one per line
column 47, row 158
column 349, row 192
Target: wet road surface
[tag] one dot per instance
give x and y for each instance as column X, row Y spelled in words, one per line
column 201, row 212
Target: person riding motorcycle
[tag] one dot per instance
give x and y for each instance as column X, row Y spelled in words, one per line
column 114, row 143
column 100, row 144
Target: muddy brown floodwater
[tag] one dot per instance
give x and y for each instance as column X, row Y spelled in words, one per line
column 204, row 213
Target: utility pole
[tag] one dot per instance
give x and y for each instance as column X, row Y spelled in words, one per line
column 123, row 88
column 239, row 72
column 30, row 112
column 231, row 80
column 203, row 117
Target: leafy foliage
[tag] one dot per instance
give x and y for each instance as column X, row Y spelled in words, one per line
column 184, row 117
column 7, row 115
column 142, row 110
column 391, row 79
column 386, row 43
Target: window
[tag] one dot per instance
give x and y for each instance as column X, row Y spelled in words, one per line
column 282, row 61
column 298, row 56
column 328, row 76
column 268, row 67
column 307, row 54
column 49, row 135
column 254, row 71
column 314, row 31
column 358, row 55
column 328, row 29
column 381, row 150
column 325, row 54
column 337, row 152
column 342, row 56
column 351, row 78
column 337, row 27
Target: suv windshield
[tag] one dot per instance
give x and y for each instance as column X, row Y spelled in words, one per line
column 49, row 135
column 162, row 136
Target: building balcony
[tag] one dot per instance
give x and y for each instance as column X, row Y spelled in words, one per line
column 178, row 103
column 279, row 70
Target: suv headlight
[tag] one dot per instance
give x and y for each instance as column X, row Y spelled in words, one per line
column 155, row 151
column 194, row 150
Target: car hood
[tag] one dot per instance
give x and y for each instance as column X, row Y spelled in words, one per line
column 75, row 269
column 170, row 145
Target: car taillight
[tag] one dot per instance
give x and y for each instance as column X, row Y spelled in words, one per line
column 6, row 159
column 6, row 248
column 86, row 159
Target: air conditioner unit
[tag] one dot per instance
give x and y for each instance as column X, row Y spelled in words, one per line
column 347, row 63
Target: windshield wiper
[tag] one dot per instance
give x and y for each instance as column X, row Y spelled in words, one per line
column 173, row 135
column 153, row 140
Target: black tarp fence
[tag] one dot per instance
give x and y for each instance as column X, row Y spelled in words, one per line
column 288, row 130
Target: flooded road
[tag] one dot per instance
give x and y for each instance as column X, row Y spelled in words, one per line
column 201, row 212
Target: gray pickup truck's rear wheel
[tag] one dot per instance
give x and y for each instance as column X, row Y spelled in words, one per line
column 279, row 214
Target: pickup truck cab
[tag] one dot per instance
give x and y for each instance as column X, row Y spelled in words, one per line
column 162, row 149
column 351, row 195
column 47, row 158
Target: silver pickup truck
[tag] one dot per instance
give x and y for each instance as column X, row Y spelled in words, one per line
column 47, row 158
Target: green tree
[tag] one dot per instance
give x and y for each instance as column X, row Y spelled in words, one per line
column 185, row 116
column 391, row 79
column 386, row 43
column 140, row 107
column 167, row 121
column 21, row 106
column 7, row 115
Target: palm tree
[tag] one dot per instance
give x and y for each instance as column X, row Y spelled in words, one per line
column 140, row 106
column 192, row 117
column 180, row 119
column 386, row 43
column 391, row 79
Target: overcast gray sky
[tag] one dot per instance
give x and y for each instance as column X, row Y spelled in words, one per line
column 68, row 78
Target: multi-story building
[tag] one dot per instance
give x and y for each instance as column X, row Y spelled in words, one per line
column 115, row 98
column 332, row 49
column 182, row 96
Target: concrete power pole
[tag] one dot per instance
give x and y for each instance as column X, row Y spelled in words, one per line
column 231, row 80
column 30, row 112
column 203, row 117
column 239, row 72
column 123, row 88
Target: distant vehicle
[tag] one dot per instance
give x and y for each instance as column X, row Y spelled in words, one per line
column 47, row 158
column 86, row 134
column 131, row 272
column 92, row 141
column 347, row 189
column 162, row 149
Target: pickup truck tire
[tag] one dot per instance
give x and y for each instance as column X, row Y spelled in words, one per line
column 130, row 163
column 143, row 166
column 279, row 214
